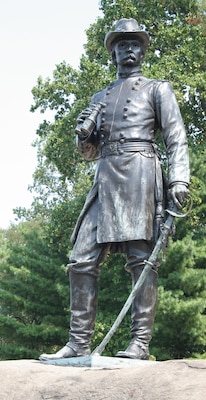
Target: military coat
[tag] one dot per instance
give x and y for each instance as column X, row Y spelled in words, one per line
column 128, row 183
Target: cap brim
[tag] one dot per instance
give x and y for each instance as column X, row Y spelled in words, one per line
column 113, row 35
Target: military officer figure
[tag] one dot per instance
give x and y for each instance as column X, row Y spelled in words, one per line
column 123, row 210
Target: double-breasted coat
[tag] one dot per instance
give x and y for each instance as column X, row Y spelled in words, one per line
column 128, row 182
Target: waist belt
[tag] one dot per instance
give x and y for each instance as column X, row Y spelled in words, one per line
column 117, row 148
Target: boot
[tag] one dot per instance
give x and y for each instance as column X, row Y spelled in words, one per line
column 83, row 307
column 142, row 315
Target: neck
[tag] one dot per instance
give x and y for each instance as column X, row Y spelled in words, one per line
column 124, row 72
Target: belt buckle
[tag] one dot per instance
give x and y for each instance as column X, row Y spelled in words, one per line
column 113, row 147
column 109, row 148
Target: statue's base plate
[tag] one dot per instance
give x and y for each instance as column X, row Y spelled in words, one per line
column 98, row 362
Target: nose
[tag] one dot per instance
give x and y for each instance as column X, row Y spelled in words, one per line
column 129, row 46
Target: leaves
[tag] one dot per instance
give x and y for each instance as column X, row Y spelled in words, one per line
column 34, row 293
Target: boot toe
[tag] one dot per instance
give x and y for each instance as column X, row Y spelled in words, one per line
column 65, row 352
column 134, row 351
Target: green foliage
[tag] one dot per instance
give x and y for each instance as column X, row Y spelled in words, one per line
column 180, row 326
column 176, row 52
column 57, row 94
column 62, row 181
column 114, row 288
column 33, row 294
column 180, row 320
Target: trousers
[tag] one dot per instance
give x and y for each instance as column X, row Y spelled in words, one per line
column 87, row 255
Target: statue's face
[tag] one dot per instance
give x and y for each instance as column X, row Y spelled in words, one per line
column 128, row 52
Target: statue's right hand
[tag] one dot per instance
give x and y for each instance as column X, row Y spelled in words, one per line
column 83, row 115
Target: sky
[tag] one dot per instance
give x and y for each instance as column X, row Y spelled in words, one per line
column 35, row 35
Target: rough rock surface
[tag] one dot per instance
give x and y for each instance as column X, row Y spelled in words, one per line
column 168, row 380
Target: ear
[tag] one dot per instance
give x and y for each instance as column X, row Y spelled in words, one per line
column 142, row 56
column 113, row 57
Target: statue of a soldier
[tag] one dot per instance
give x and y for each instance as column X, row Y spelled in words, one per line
column 124, row 208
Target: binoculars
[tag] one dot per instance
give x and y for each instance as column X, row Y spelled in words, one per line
column 85, row 128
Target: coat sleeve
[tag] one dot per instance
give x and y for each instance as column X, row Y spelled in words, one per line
column 89, row 147
column 173, row 133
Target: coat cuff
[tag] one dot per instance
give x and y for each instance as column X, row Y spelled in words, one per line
column 178, row 183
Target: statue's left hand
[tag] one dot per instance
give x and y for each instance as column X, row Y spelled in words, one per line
column 179, row 192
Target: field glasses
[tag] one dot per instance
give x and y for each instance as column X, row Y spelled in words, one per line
column 86, row 127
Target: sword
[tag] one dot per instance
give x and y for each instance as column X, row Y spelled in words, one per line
column 149, row 264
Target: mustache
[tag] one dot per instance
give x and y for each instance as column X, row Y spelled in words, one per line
column 130, row 55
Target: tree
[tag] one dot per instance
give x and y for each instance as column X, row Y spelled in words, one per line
column 34, row 297
column 177, row 31
column 62, row 179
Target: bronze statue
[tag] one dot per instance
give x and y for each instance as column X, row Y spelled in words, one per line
column 124, row 209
